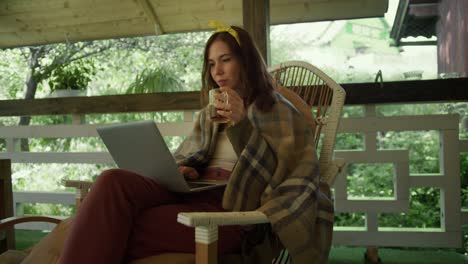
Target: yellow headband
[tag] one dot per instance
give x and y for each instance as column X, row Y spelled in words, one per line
column 220, row 27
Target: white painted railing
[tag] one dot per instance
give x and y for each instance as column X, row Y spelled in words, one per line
column 20, row 197
column 13, row 134
column 448, row 181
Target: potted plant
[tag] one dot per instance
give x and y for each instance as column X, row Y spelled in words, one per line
column 71, row 79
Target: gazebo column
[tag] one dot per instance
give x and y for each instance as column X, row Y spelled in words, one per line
column 452, row 37
column 256, row 20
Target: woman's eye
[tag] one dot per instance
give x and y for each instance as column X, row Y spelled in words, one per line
column 226, row 59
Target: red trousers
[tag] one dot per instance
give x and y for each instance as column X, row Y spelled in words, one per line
column 126, row 216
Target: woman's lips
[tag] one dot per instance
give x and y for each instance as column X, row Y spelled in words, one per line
column 222, row 83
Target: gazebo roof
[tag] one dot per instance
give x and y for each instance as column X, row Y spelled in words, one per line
column 36, row 22
column 415, row 18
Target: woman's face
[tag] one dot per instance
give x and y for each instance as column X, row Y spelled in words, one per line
column 224, row 66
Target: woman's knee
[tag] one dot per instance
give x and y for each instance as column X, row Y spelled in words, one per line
column 118, row 181
column 114, row 177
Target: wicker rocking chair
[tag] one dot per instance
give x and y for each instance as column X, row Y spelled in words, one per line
column 326, row 99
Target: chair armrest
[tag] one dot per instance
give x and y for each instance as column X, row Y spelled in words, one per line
column 11, row 221
column 81, row 189
column 220, row 219
column 77, row 184
column 206, row 229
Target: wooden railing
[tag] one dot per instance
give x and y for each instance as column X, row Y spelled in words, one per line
column 448, row 181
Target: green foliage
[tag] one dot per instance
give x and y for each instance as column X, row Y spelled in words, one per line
column 423, row 148
column 74, row 76
column 159, row 117
column 352, row 111
column 377, row 179
column 280, row 40
column 456, row 108
column 91, row 144
column 411, row 109
column 424, row 211
column 48, row 209
column 155, row 80
column 2, row 145
column 49, row 177
column 13, row 72
column 180, row 55
column 349, row 141
column 464, row 179
column 350, row 219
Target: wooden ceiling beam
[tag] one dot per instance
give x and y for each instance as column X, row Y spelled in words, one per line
column 151, row 13
column 95, row 31
column 302, row 11
column 400, row 17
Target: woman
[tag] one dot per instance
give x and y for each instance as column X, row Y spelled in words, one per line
column 265, row 150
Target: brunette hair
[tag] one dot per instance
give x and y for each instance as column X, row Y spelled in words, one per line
column 256, row 82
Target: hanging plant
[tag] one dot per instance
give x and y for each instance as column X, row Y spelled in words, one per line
column 73, row 76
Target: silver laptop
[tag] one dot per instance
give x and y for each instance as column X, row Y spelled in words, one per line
column 140, row 147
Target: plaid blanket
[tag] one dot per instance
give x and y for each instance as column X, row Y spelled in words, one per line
column 277, row 173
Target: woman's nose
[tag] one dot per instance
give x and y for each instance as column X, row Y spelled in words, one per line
column 218, row 69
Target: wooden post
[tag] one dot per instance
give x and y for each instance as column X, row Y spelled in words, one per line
column 6, row 205
column 78, row 119
column 372, row 254
column 206, row 245
column 206, row 253
column 256, row 20
column 452, row 37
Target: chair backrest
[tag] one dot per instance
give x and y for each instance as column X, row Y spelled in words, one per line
column 325, row 98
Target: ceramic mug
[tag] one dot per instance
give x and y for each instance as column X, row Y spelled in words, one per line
column 224, row 100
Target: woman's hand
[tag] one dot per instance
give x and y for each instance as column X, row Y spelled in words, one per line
column 189, row 172
column 234, row 109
